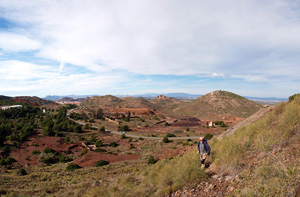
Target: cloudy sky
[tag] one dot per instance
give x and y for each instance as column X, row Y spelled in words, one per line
column 60, row 47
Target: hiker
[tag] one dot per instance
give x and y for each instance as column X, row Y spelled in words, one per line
column 203, row 150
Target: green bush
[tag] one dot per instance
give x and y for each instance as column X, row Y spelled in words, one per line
column 22, row 172
column 65, row 158
column 208, row 136
column 101, row 163
column 100, row 150
column 98, row 143
column 189, row 140
column 83, row 152
column 36, row 152
column 151, row 160
column 81, row 138
column 49, row 160
column 166, row 139
column 102, row 128
column 9, row 160
column 171, row 135
column 73, row 166
column 113, row 144
column 130, row 139
column 50, row 150
column 34, row 144
column 123, row 136
column 140, row 138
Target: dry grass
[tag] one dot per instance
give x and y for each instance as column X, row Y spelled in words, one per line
column 274, row 175
column 162, row 178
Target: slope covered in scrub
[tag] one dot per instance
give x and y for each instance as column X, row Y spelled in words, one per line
column 265, row 154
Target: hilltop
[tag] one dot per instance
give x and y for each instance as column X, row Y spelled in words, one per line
column 30, row 100
column 111, row 102
column 218, row 104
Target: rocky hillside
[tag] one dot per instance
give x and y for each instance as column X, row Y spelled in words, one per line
column 219, row 103
column 112, row 102
column 31, row 100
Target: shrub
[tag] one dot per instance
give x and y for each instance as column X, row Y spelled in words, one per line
column 208, row 136
column 171, row 135
column 49, row 150
column 176, row 131
column 34, row 144
column 187, row 129
column 81, row 138
column 49, row 160
column 167, row 124
column 101, row 163
column 113, row 144
column 170, row 158
column 140, row 138
column 27, row 158
column 100, row 150
column 64, row 158
column 189, row 140
column 36, row 152
column 102, row 128
column 130, row 139
column 125, row 128
column 9, row 160
column 92, row 139
column 123, row 136
column 73, row 166
column 99, row 143
column 85, row 151
column 67, row 140
column 166, row 139
column 22, row 172
column 151, row 160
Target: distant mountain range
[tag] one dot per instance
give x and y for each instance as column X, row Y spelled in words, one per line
column 172, row 95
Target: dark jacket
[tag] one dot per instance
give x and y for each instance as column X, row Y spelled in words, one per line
column 206, row 146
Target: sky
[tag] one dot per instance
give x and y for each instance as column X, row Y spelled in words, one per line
column 123, row 47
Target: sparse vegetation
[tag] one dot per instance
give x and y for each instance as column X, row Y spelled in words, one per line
column 83, row 152
column 166, row 139
column 151, row 160
column 101, row 163
column 73, row 166
column 208, row 136
column 113, row 144
column 171, row 135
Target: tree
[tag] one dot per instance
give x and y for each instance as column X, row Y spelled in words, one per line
column 123, row 136
column 99, row 143
column 151, row 160
column 102, row 128
column 125, row 128
column 166, row 139
column 99, row 114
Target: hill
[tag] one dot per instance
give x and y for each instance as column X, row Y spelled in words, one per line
column 34, row 101
column 112, row 102
column 218, row 104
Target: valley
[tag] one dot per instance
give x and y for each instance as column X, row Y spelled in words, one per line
column 134, row 141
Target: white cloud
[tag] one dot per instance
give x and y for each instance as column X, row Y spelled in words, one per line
column 147, row 37
column 251, row 40
column 17, row 42
column 218, row 75
column 251, row 78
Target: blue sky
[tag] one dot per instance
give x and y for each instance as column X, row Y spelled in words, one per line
column 60, row 47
